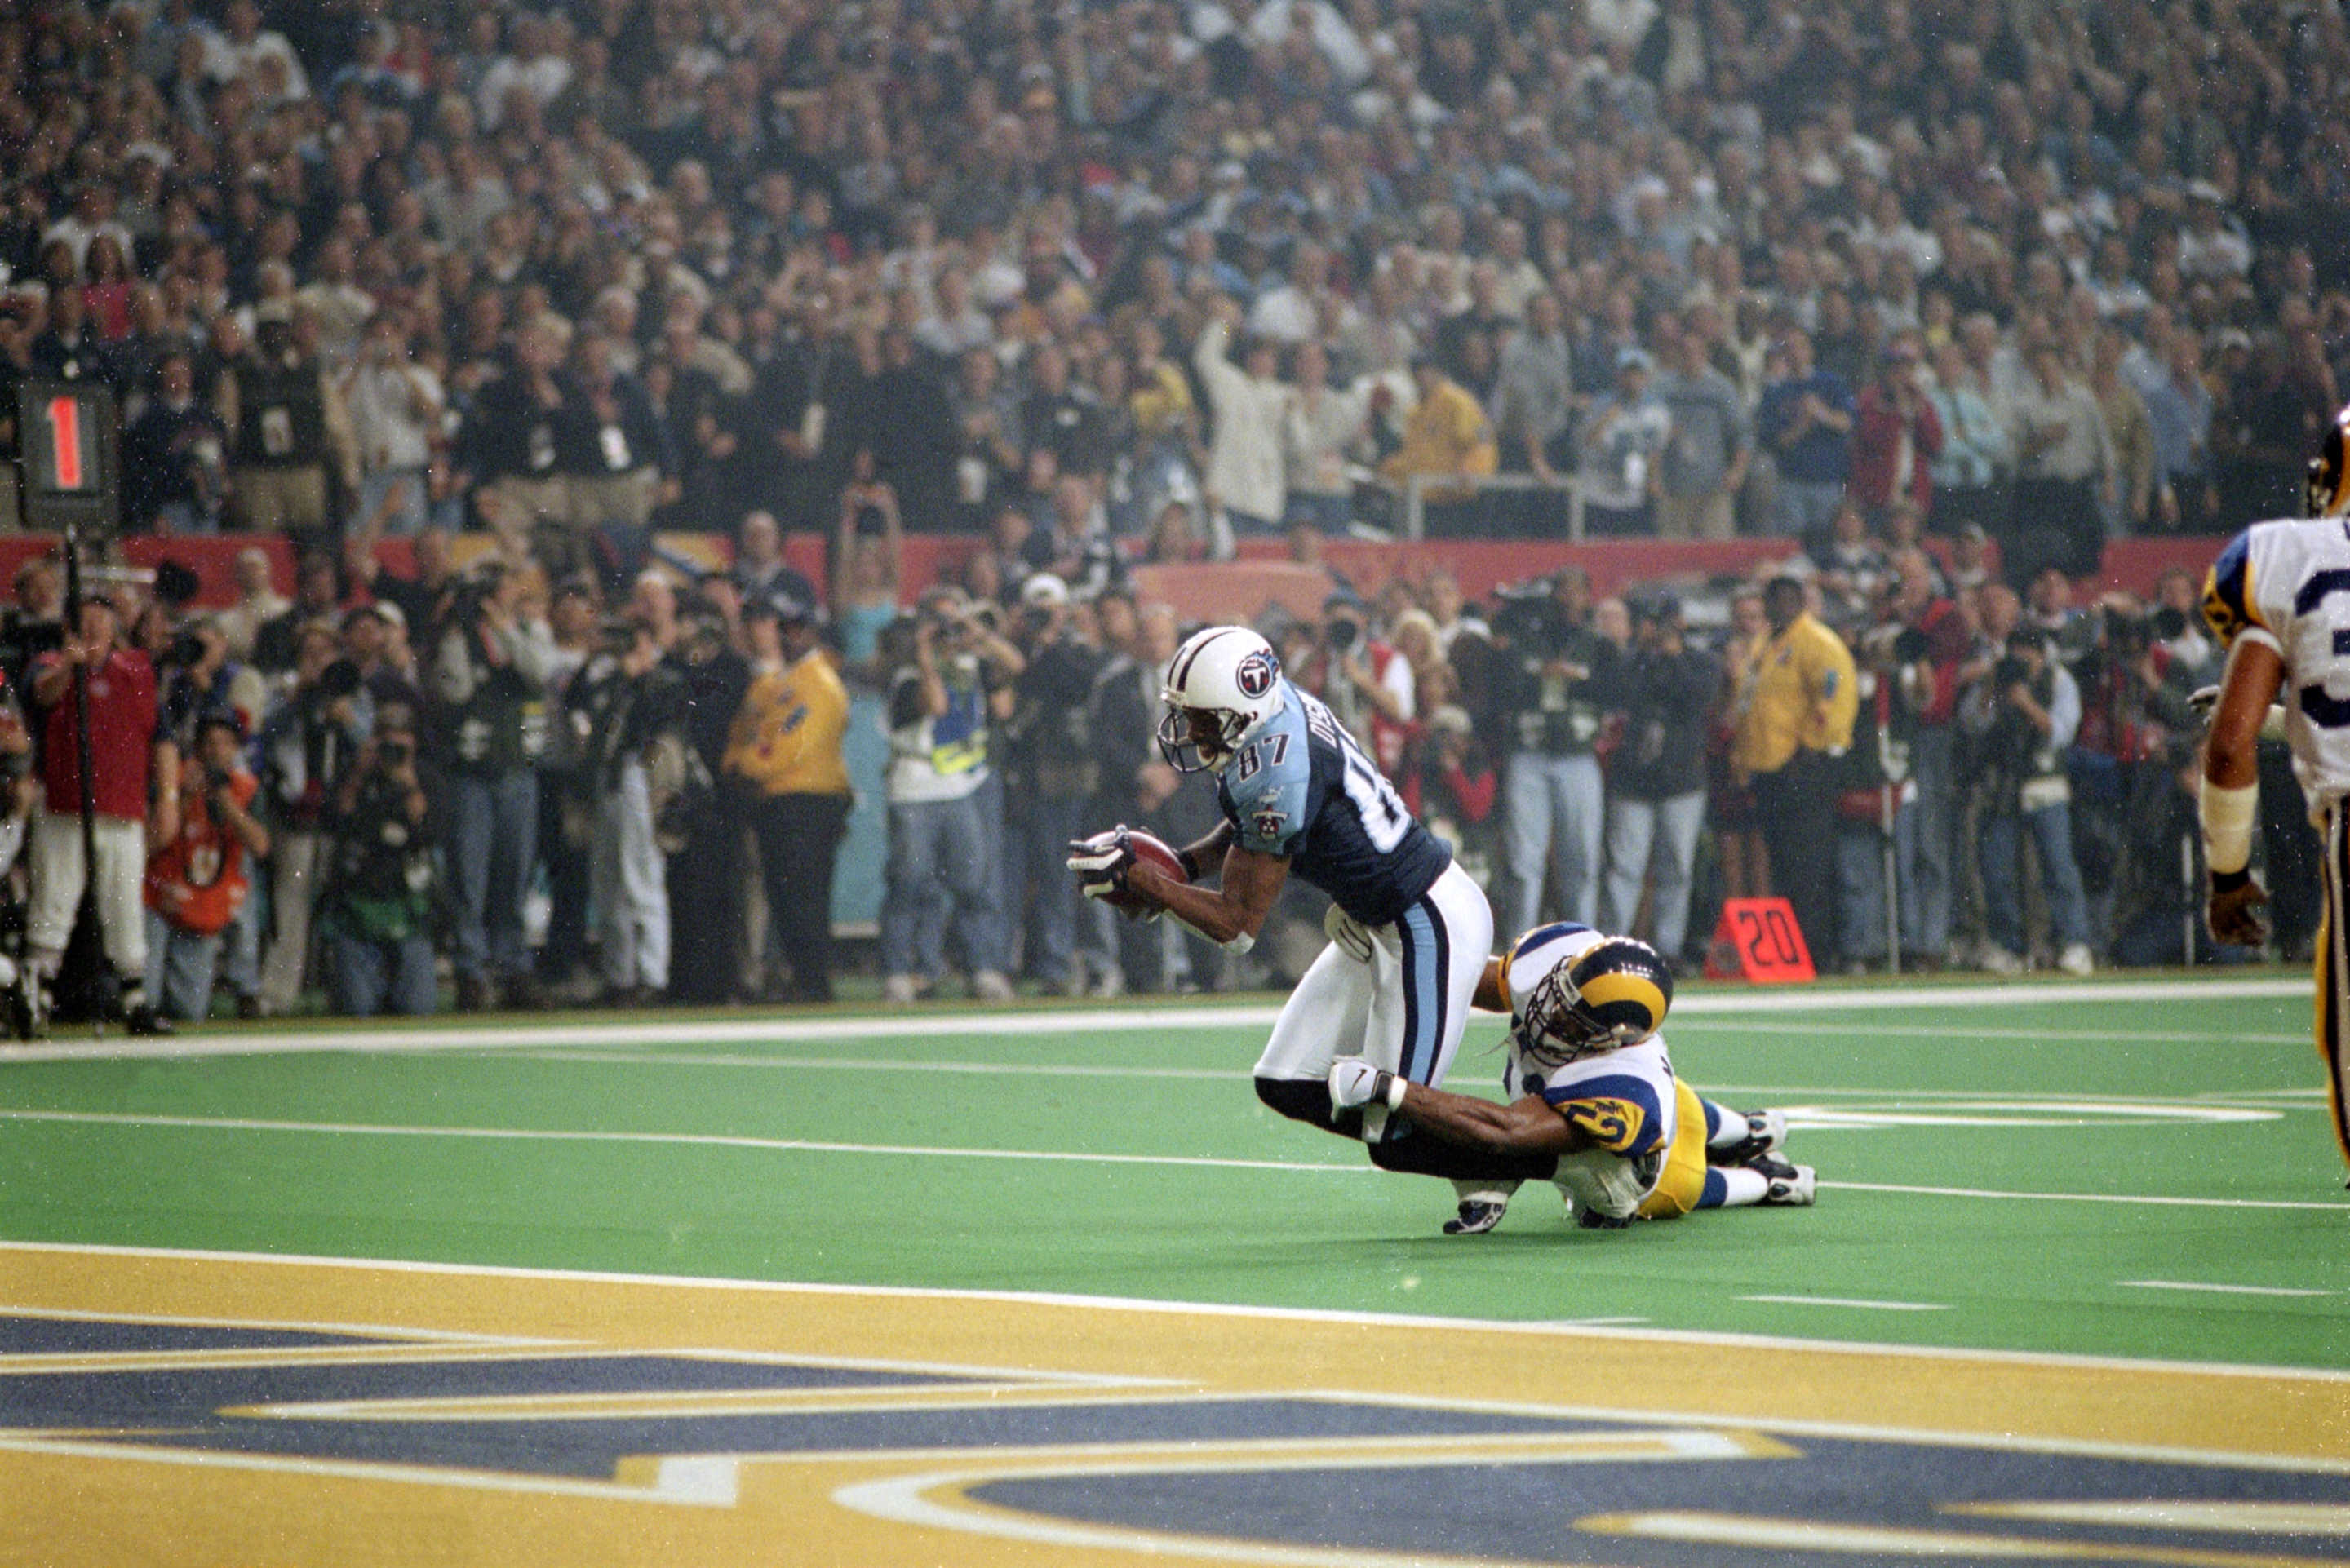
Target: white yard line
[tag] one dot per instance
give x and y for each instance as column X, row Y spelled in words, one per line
column 1140, row 1022
column 876, row 1065
column 690, row 1140
column 2336, row 1206
column 2222, row 1290
column 1972, row 1032
column 1536, row 1329
column 1849, row 1302
column 922, row 1151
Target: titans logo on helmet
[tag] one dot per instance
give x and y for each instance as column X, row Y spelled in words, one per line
column 1253, row 675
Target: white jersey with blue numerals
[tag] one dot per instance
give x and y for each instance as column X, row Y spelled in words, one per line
column 1623, row 1100
column 2289, row 582
column 1301, row 788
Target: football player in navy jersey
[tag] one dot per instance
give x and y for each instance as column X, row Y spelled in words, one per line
column 1409, row 931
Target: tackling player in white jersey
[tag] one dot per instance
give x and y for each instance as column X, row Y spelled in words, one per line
column 1594, row 1105
column 2279, row 600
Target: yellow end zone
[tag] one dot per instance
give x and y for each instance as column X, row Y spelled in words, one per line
column 75, row 1500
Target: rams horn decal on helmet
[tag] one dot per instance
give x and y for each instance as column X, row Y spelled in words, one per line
column 2327, row 488
column 1614, row 993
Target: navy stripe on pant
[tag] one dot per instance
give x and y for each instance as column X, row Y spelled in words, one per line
column 1427, row 961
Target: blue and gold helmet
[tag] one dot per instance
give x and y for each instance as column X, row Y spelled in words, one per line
column 2326, row 485
column 1612, row 994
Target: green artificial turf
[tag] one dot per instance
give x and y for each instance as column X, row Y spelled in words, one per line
column 2004, row 1271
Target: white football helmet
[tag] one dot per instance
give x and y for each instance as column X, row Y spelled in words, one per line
column 1222, row 684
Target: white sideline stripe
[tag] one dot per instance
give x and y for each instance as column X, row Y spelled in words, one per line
column 2084, row 1197
column 1849, row 1302
column 920, row 1151
column 2225, row 1289
column 702, row 1140
column 871, row 1065
column 702, row 1032
column 2206, row 1104
column 907, row 1026
column 1352, row 1318
column 1945, row 1032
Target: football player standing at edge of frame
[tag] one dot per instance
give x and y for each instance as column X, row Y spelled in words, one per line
column 1410, row 932
column 2278, row 599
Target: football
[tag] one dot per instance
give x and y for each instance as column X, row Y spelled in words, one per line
column 1149, row 847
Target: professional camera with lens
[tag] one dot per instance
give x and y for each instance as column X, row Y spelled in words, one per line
column 1341, row 632
column 2011, row 669
column 338, row 679
column 473, row 592
column 1521, row 618
column 2126, row 633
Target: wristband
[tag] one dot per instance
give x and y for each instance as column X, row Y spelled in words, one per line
column 2228, row 881
column 1391, row 1088
column 2227, row 816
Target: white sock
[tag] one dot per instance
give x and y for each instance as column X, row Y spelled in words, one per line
column 1742, row 1187
column 1734, row 1128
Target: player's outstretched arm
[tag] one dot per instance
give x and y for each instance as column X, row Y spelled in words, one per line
column 1525, row 1125
column 2229, row 803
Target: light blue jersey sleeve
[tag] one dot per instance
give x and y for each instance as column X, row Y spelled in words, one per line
column 1267, row 788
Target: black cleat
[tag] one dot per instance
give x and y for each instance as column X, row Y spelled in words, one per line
column 1792, row 1186
column 1476, row 1218
column 1592, row 1219
column 24, row 1008
column 144, row 1020
column 1765, row 1131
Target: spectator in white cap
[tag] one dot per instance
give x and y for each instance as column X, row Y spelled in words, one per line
column 1622, row 440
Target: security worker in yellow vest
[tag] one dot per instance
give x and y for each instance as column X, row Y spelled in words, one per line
column 1796, row 701
column 1445, row 436
column 785, row 753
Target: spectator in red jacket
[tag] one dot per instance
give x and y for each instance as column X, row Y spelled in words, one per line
column 125, row 743
column 1896, row 435
column 1933, row 642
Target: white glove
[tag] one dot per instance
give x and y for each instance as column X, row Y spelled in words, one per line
column 1348, row 932
column 1102, row 861
column 1355, row 1082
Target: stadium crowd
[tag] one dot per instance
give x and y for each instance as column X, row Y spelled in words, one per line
column 1117, row 283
